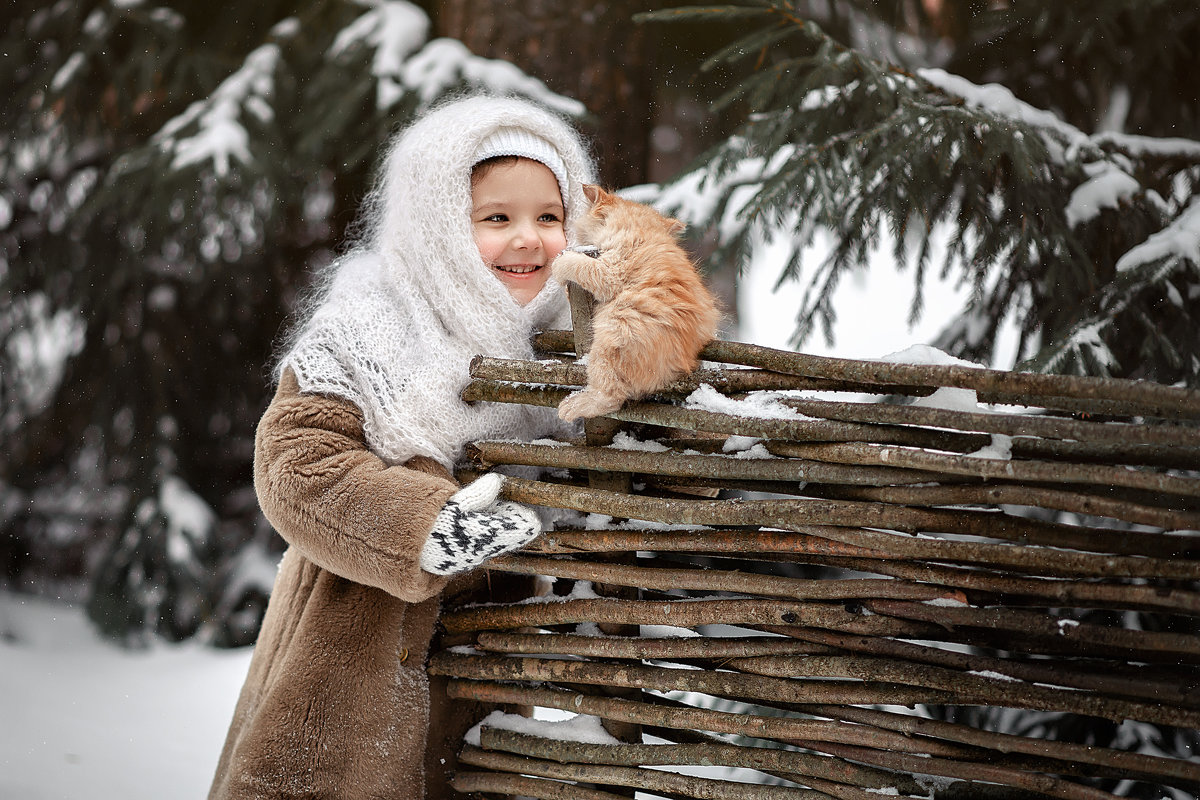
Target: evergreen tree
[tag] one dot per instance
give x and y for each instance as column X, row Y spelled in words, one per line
column 167, row 175
column 1063, row 189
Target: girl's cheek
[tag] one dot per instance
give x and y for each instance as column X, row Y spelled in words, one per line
column 555, row 245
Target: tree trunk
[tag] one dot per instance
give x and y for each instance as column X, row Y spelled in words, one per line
column 590, row 51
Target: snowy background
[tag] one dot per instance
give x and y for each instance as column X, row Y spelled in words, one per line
column 82, row 719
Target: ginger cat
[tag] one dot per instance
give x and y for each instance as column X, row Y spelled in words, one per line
column 654, row 314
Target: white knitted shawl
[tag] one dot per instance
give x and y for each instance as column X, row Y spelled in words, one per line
column 397, row 321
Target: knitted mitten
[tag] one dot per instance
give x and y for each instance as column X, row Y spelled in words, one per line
column 474, row 526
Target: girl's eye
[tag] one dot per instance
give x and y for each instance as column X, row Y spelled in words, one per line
column 550, row 218
column 497, row 218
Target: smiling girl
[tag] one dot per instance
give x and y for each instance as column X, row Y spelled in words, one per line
column 353, row 457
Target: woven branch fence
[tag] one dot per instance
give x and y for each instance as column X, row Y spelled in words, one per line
column 845, row 596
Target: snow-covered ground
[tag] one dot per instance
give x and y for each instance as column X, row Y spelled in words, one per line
column 83, row 720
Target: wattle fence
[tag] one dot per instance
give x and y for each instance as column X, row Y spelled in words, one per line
column 846, row 579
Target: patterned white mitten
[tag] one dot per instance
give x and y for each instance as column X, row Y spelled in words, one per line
column 474, row 526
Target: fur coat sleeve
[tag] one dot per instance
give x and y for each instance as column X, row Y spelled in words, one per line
column 339, row 504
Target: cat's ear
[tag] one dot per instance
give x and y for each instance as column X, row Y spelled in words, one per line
column 592, row 192
column 675, row 227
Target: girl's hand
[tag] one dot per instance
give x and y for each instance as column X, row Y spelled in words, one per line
column 474, row 526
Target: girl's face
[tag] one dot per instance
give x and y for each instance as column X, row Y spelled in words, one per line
column 517, row 215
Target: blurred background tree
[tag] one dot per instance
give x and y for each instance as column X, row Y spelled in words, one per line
column 169, row 176
column 1047, row 151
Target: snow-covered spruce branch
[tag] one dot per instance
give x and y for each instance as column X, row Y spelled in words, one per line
column 1168, row 257
column 253, row 114
column 844, row 141
column 214, row 129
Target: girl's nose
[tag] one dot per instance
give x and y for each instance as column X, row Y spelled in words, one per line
column 526, row 237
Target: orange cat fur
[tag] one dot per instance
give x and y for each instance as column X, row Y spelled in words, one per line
column 654, row 314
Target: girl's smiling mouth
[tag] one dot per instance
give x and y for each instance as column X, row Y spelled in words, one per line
column 518, row 269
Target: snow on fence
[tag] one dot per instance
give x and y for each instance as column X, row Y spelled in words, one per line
column 878, row 585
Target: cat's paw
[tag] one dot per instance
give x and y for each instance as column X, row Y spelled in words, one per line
column 586, row 405
column 566, row 266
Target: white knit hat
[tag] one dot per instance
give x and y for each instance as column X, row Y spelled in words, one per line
column 522, row 143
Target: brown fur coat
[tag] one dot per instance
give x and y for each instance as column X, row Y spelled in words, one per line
column 336, row 702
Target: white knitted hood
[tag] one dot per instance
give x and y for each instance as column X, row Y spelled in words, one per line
column 394, row 327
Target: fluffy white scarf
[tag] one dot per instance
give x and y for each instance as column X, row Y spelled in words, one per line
column 397, row 321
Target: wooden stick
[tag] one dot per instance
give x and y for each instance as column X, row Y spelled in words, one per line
column 919, row 735
column 1113, row 433
column 1138, row 397
column 639, row 648
column 727, row 468
column 828, row 540
column 798, row 515
column 700, row 420
column 1000, row 691
column 1043, row 784
column 672, row 462
column 649, row 780
column 1034, row 471
column 521, row 786
column 722, row 581
column 736, row 381
column 726, row 381
column 797, row 690
column 714, row 754
column 1099, row 760
column 1018, row 591
column 1035, row 628
column 1147, row 686
column 690, row 718
column 687, row 615
column 1015, row 495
